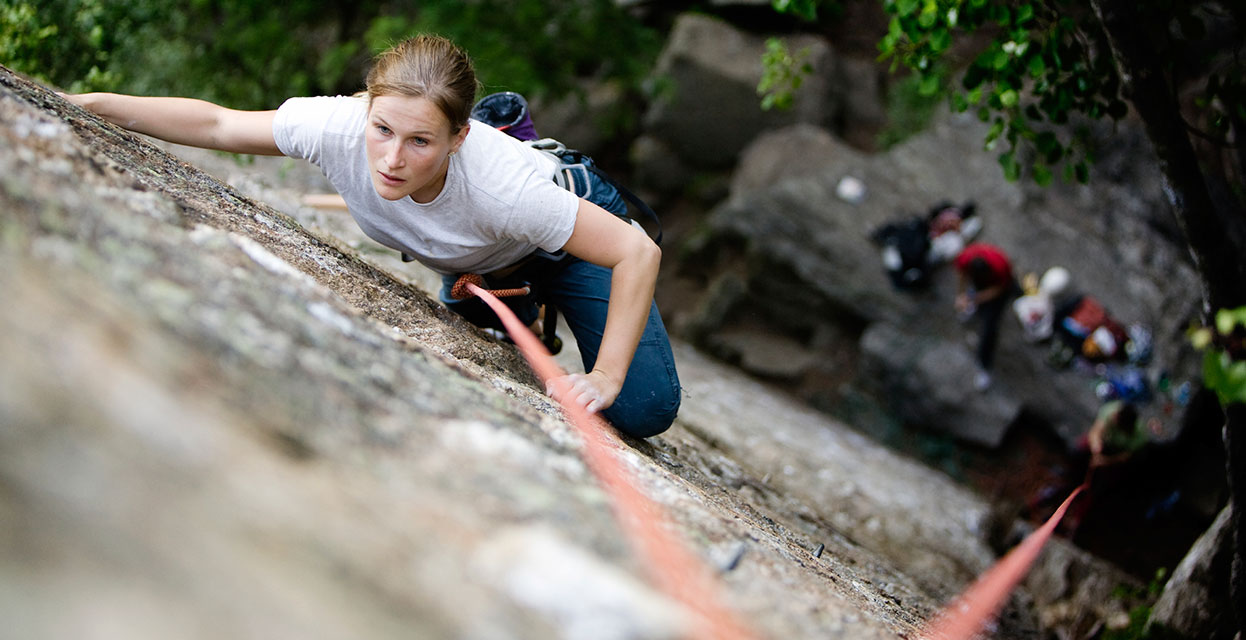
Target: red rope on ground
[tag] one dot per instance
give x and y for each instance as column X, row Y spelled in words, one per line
column 967, row 614
column 672, row 566
column 461, row 291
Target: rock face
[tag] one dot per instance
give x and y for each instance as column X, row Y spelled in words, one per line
column 1186, row 606
column 707, row 110
column 217, row 424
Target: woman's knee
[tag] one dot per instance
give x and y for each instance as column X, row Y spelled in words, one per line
column 646, row 416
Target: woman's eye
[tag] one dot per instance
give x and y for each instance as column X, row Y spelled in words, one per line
column 419, row 142
column 383, row 129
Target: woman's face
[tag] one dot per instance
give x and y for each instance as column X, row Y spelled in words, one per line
column 409, row 144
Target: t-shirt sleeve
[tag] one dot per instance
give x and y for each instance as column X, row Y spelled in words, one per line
column 545, row 215
column 300, row 125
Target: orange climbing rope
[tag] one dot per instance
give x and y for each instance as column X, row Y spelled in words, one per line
column 672, row 566
column 980, row 603
column 678, row 573
column 460, row 290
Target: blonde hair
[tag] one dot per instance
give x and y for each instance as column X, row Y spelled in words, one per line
column 430, row 67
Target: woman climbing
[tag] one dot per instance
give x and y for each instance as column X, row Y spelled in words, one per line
column 461, row 197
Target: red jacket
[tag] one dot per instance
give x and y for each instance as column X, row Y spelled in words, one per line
column 995, row 258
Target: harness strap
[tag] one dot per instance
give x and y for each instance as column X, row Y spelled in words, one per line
column 632, row 198
column 460, row 291
column 566, row 180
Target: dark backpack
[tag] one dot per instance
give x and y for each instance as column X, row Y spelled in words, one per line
column 906, row 249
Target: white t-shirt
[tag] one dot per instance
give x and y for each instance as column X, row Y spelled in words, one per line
column 498, row 205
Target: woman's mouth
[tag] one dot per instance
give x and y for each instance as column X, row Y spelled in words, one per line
column 390, row 180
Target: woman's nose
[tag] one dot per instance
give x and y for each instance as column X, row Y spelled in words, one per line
column 393, row 156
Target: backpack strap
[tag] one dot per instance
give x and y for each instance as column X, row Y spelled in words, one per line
column 566, row 179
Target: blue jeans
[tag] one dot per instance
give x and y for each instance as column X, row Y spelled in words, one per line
column 649, row 399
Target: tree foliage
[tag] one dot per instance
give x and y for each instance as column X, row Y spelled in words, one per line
column 1036, row 49
column 67, row 40
column 1224, row 354
column 783, row 73
column 1047, row 62
column 250, row 54
column 1041, row 65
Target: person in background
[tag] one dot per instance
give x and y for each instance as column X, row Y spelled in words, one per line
column 1116, row 434
column 1109, row 459
column 985, row 285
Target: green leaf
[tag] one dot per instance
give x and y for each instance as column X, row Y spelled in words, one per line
column 929, row 85
column 1213, row 369
column 1012, row 170
column 1042, row 175
column 1224, row 376
column 996, row 129
column 1000, row 60
column 1024, row 13
column 1008, row 98
column 1082, row 171
column 1055, row 154
column 805, row 9
column 1037, row 66
column 1225, row 321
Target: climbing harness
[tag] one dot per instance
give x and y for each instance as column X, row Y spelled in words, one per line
column 549, row 313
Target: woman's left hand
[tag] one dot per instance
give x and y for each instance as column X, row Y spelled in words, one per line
column 592, row 391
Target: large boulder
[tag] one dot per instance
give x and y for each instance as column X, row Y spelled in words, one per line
column 706, row 108
column 922, row 377
column 784, row 254
column 1202, row 578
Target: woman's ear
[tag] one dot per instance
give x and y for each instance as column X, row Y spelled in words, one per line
column 459, row 138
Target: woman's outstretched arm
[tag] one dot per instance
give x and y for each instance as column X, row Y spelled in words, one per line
column 186, row 121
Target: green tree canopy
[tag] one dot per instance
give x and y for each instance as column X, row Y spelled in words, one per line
column 252, row 55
